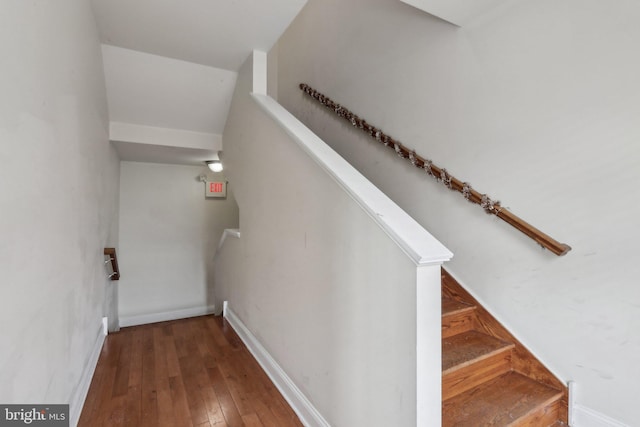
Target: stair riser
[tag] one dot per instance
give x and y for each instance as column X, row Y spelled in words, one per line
column 462, row 379
column 457, row 323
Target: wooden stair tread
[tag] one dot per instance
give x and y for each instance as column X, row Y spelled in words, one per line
column 468, row 347
column 451, row 306
column 502, row 401
column 488, row 377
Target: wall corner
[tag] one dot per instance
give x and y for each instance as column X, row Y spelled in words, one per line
column 259, row 73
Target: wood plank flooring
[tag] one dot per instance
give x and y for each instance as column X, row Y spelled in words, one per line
column 192, row 372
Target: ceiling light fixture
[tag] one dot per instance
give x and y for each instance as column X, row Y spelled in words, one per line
column 215, row 165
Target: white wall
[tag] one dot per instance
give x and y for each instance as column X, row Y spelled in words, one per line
column 317, row 281
column 168, row 236
column 536, row 105
column 58, row 200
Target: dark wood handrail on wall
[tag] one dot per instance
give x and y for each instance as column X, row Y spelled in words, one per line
column 113, row 259
column 490, row 206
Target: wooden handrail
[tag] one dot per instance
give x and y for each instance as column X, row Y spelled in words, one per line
column 113, row 258
column 490, row 206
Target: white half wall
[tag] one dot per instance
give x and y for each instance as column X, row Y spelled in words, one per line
column 319, row 277
column 168, row 237
column 535, row 104
column 58, row 201
column 306, row 412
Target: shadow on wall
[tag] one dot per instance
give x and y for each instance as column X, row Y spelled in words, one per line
column 227, row 266
column 215, row 297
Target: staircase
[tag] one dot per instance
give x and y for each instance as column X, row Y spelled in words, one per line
column 488, row 377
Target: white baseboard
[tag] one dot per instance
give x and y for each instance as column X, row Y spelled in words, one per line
column 82, row 389
column 308, row 414
column 144, row 319
column 585, row 417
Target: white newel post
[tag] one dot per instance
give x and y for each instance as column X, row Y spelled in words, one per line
column 428, row 346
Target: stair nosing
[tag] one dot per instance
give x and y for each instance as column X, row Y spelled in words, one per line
column 458, row 311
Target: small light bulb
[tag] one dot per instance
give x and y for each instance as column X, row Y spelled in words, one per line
column 215, row 165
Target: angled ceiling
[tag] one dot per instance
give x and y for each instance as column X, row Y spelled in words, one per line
column 152, row 90
column 458, row 12
column 171, row 66
column 216, row 33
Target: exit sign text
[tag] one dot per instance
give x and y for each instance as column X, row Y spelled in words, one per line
column 216, row 189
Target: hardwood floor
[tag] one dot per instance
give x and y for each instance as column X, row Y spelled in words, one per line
column 191, row 372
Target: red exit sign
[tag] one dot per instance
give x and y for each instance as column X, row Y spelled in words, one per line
column 216, row 189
